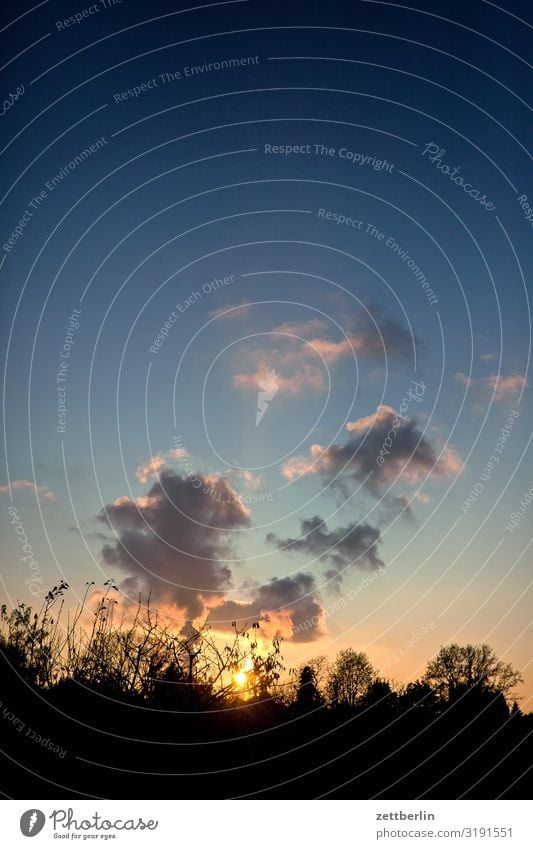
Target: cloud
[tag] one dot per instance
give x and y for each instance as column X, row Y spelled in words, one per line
column 302, row 328
column 301, row 363
column 174, row 543
column 281, row 606
column 174, row 540
column 41, row 490
column 368, row 457
column 502, row 388
column 152, row 467
column 352, row 545
column 505, row 387
column 462, row 378
column 231, row 311
column 363, row 337
column 383, row 413
column 422, row 497
column 248, row 479
column 304, row 377
column 332, row 351
column 177, row 453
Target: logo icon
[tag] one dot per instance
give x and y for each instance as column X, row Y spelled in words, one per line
column 269, row 388
column 32, row 822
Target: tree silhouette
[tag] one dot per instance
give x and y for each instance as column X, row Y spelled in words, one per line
column 457, row 669
column 380, row 696
column 307, row 694
column 223, row 698
column 350, row 677
column 419, row 697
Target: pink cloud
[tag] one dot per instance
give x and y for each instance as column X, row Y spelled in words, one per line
column 41, row 490
column 301, row 362
column 307, row 377
column 461, row 377
column 382, row 414
column 249, row 480
column 333, row 351
column 376, row 457
column 301, row 328
column 231, row 311
column 503, row 387
column 422, row 497
column 300, row 466
column 152, row 467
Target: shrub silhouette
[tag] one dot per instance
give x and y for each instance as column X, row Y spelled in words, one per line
column 136, row 656
column 110, row 683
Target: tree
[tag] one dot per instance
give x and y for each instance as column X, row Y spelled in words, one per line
column 307, row 695
column 380, row 696
column 350, row 677
column 457, row 669
column 418, row 696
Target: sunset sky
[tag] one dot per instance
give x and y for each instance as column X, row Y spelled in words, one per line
column 284, row 227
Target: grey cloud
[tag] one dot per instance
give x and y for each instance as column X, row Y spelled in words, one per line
column 283, row 604
column 339, row 549
column 172, row 542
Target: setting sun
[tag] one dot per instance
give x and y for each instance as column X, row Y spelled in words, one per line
column 240, row 678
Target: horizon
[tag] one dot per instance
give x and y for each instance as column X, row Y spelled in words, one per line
column 267, row 321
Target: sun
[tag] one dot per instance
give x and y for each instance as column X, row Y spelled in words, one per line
column 240, row 678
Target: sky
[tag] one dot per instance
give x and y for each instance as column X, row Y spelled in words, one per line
column 266, row 318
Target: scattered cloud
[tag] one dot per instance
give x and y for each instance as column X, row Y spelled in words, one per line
column 247, row 478
column 231, row 311
column 302, row 351
column 462, row 378
column 352, row 545
column 302, row 328
column 502, row 387
column 280, row 606
column 409, row 458
column 174, row 540
column 505, row 387
column 177, row 453
column 304, row 378
column 152, row 467
column 422, row 497
column 40, row 489
column 330, row 351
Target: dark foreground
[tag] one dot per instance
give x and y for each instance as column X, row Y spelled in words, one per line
column 72, row 742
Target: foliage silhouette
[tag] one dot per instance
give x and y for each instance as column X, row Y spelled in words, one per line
column 127, row 694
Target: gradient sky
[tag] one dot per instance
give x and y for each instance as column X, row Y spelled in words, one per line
column 191, row 184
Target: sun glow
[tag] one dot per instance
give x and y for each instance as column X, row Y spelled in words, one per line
column 240, row 678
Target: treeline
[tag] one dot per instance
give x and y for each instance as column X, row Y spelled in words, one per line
column 126, row 695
